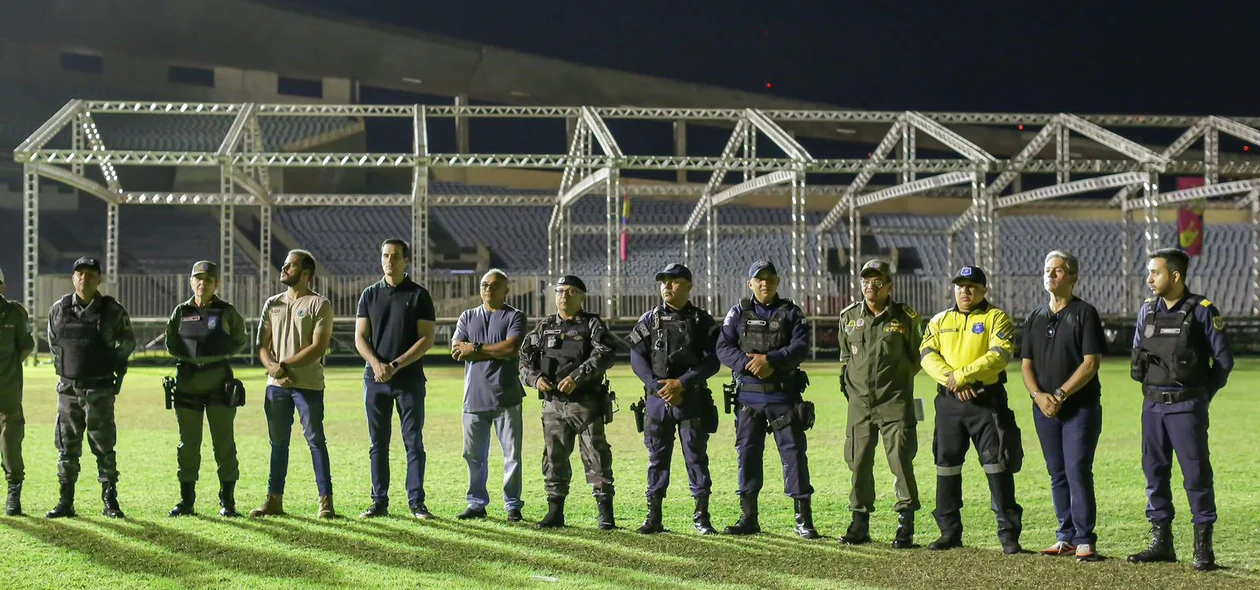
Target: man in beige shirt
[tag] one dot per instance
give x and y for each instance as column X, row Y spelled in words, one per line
column 293, row 333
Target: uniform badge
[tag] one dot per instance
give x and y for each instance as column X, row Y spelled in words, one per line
column 861, row 323
column 774, row 324
column 302, row 312
column 1218, row 322
column 1148, row 331
column 854, row 348
column 212, row 322
column 977, row 328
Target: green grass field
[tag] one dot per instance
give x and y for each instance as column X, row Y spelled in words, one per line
column 151, row 550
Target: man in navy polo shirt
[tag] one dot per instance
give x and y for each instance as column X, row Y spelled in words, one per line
column 393, row 329
column 488, row 339
column 1062, row 346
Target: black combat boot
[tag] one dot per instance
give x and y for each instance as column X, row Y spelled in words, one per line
column 1161, row 547
column 13, row 506
column 859, row 532
column 805, row 520
column 109, row 497
column 555, row 513
column 65, row 506
column 905, row 530
column 701, row 517
column 747, row 523
column 1204, row 556
column 227, row 499
column 652, row 524
column 187, row 497
column 606, row 520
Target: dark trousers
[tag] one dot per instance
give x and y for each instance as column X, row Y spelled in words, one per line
column 1187, row 434
column 659, row 425
column 562, row 423
column 12, row 431
column 752, row 423
column 381, row 399
column 279, row 407
column 222, row 439
column 87, row 412
column 1068, row 442
column 959, row 425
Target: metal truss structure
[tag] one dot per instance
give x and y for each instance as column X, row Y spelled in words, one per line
column 594, row 161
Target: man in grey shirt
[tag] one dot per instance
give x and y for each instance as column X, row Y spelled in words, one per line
column 487, row 338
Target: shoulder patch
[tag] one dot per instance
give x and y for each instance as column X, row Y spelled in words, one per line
column 1149, row 300
column 1218, row 322
column 910, row 311
column 1206, row 303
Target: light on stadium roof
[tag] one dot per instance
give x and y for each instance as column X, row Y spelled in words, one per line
column 412, row 80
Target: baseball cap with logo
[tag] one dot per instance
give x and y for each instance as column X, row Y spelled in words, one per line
column 205, row 267
column 88, row 262
column 876, row 267
column 571, row 281
column 973, row 274
column 762, row 266
column 674, row 271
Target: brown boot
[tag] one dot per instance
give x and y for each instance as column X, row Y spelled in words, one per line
column 326, row 507
column 272, row 506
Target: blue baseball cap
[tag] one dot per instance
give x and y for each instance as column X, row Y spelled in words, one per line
column 674, row 271
column 761, row 266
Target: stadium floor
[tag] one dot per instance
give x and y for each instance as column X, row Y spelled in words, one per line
column 151, row 550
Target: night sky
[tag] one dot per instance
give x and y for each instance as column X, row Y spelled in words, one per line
column 1112, row 56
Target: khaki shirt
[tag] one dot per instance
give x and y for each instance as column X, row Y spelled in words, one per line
column 289, row 326
column 15, row 339
column 880, row 355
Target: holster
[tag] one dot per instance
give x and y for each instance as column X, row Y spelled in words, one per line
column 730, row 394
column 639, row 410
column 801, row 415
column 608, row 401
column 168, row 386
column 1138, row 364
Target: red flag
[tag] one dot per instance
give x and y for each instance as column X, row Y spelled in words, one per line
column 1190, row 220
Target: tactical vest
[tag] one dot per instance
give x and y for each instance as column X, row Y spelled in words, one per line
column 1171, row 359
column 759, row 336
column 84, row 352
column 202, row 330
column 673, row 342
column 565, row 345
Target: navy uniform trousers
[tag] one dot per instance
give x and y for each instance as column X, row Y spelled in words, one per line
column 660, row 422
column 1186, row 433
column 752, row 423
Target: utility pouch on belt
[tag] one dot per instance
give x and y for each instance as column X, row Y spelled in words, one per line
column 608, row 399
column 711, row 419
column 234, row 390
column 1138, row 365
column 802, row 415
column 639, row 409
column 730, row 393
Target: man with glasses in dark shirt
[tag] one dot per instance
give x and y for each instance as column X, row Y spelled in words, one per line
column 1062, row 346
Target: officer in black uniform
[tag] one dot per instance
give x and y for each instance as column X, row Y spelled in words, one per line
column 672, row 352
column 91, row 340
column 203, row 335
column 565, row 357
column 763, row 340
column 1182, row 358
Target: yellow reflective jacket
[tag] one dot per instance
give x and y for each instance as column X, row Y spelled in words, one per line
column 974, row 346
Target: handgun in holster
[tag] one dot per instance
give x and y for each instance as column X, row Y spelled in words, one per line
column 168, row 385
column 639, row 409
column 730, row 394
column 608, row 400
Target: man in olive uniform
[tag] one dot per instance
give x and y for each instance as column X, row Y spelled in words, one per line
column 879, row 353
column 565, row 357
column 203, row 335
column 965, row 351
column 16, row 344
column 91, row 339
column 763, row 340
column 672, row 352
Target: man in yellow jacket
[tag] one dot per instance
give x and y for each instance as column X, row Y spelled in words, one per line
column 965, row 350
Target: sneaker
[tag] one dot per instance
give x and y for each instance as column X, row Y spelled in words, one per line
column 1085, row 552
column 1060, row 549
column 472, row 512
column 514, row 515
column 421, row 511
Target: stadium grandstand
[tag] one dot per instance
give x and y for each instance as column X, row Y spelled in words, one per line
column 138, row 141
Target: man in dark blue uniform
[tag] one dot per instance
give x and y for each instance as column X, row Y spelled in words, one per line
column 672, row 352
column 764, row 339
column 1182, row 358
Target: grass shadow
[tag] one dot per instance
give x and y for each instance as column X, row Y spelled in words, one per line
column 79, row 538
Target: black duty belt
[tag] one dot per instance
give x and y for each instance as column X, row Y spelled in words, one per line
column 1171, row 397
column 762, row 387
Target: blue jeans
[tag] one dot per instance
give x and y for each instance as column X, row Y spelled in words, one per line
column 380, row 400
column 279, row 406
column 507, row 422
column 1068, row 442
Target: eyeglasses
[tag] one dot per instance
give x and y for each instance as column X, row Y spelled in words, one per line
column 877, row 283
column 567, row 292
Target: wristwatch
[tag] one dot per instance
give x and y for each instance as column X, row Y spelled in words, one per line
column 1059, row 393
column 393, row 364
column 476, row 347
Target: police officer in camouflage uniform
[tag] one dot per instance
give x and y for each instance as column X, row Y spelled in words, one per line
column 879, row 356
column 565, row 358
column 203, row 334
column 1182, row 358
column 16, row 344
column 764, row 339
column 91, row 340
column 672, row 352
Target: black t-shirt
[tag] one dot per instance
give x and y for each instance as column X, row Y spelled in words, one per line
column 1057, row 343
column 393, row 312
